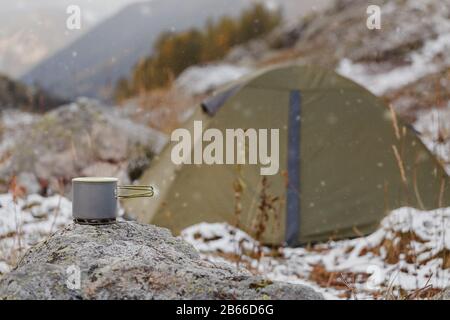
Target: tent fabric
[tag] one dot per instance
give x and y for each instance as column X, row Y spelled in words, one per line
column 353, row 166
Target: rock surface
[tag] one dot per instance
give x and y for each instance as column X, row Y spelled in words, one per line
column 445, row 295
column 82, row 138
column 128, row 260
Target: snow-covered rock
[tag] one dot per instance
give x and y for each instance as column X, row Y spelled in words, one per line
column 247, row 53
column 28, row 181
column 420, row 63
column 203, row 79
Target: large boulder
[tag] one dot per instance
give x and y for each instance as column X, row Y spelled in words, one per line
column 128, row 260
column 74, row 140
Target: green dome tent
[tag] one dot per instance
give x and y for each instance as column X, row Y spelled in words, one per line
column 344, row 162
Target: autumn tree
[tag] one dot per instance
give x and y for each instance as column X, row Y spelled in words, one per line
column 175, row 52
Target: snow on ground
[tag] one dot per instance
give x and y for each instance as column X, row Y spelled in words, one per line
column 25, row 222
column 410, row 251
column 422, row 64
column 203, row 79
column 407, row 254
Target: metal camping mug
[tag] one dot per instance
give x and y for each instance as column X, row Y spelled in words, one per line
column 95, row 198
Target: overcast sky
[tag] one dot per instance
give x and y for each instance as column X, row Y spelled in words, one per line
column 94, row 10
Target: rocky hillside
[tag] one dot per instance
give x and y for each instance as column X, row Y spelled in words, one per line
column 406, row 61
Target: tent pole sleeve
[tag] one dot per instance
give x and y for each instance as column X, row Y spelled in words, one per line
column 293, row 166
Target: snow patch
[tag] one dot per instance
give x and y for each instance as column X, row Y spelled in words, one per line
column 358, row 256
column 25, row 222
column 203, row 79
column 422, row 64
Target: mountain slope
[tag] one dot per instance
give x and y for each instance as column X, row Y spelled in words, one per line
column 92, row 64
column 27, row 36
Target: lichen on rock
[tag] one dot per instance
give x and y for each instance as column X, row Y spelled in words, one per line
column 128, row 260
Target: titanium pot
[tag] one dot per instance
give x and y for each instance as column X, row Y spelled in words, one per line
column 95, row 198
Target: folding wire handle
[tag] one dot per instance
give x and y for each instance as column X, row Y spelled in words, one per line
column 142, row 192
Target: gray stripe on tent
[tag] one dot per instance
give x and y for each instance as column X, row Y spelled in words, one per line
column 212, row 104
column 293, row 166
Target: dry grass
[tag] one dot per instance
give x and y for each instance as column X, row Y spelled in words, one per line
column 402, row 245
column 267, row 207
column 12, row 255
column 427, row 92
column 338, row 280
